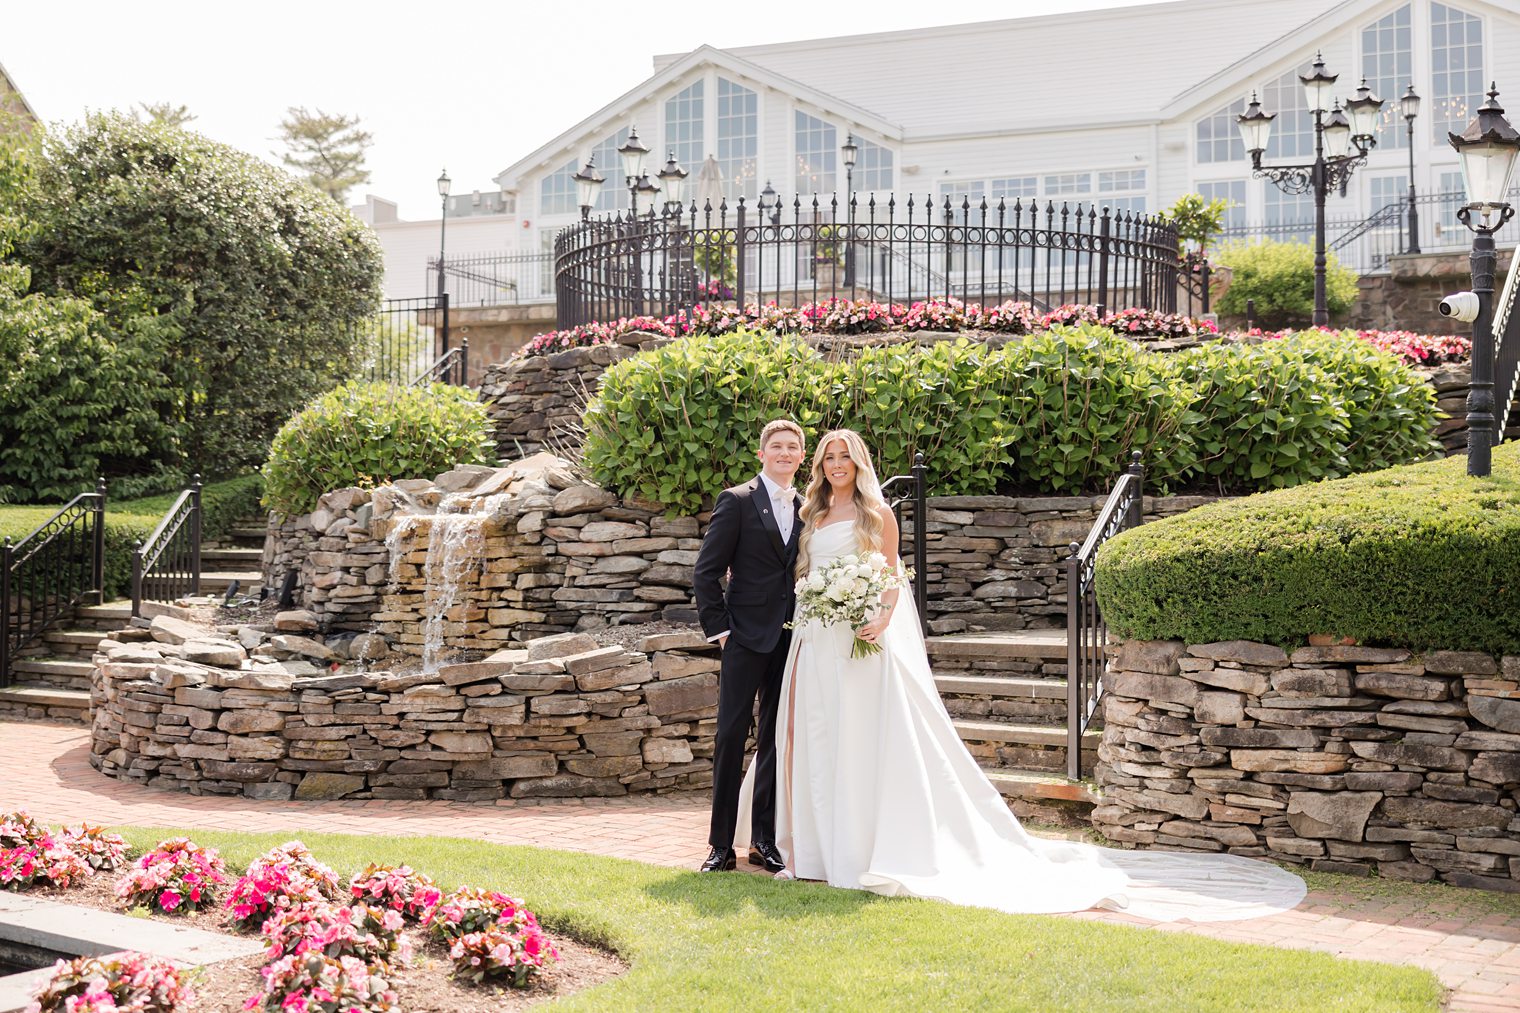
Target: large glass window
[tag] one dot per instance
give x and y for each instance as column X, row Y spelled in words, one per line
column 1446, row 219
column 1233, row 191
column 1385, row 190
column 738, row 139
column 1456, row 69
column 683, row 130
column 614, row 195
column 1218, row 137
column 1068, row 183
column 556, row 191
column 1388, row 66
column 817, row 145
column 1007, row 187
column 873, row 168
column 1289, row 217
column 1293, row 130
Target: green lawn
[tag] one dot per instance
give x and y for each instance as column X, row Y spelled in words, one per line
column 749, row 943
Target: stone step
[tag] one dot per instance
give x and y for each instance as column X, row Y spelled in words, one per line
column 1039, row 785
column 73, row 641
column 113, row 615
column 245, row 558
column 1021, row 746
column 64, row 668
column 1015, row 687
column 1030, row 645
column 217, row 581
column 247, row 534
column 34, row 701
column 1031, row 701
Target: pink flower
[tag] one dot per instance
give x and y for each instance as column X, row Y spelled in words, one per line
column 169, row 900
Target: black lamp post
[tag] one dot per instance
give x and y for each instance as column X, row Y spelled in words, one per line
column 588, row 184
column 633, row 152
column 674, row 179
column 1488, row 148
column 769, row 198
column 1410, row 105
column 1334, row 160
column 850, row 150
column 443, row 223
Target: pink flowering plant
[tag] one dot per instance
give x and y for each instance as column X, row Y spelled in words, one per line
column 101, row 850
column 490, row 935
column 366, row 931
column 850, row 316
column 1070, row 315
column 18, row 828
column 1137, row 322
column 1007, row 318
column 936, row 315
column 313, row 982
column 48, row 861
column 118, row 983
column 398, row 888
column 279, row 878
column 177, row 875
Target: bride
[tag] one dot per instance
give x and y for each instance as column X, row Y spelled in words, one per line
column 877, row 792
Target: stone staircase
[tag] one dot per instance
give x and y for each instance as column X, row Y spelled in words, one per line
column 1007, row 695
column 52, row 680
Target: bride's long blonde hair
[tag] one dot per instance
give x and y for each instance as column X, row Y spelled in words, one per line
column 867, row 496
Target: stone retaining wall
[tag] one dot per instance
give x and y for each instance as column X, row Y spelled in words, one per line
column 562, row 717
column 1350, row 759
column 557, row 554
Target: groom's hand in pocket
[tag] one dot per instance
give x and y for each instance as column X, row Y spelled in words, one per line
column 723, row 642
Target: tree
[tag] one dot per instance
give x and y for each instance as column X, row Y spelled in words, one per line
column 326, row 150
column 164, row 113
column 258, row 286
column 1196, row 219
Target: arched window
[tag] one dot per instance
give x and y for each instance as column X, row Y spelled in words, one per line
column 1388, row 66
column 683, row 129
column 556, row 191
column 1218, row 138
column 738, row 139
column 1456, row 69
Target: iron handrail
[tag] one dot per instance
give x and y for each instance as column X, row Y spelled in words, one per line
column 443, row 368
column 1086, row 633
column 1507, row 351
column 918, row 492
column 43, row 576
column 151, row 583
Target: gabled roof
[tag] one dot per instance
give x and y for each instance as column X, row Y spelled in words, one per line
column 15, row 94
column 1077, row 69
column 571, row 144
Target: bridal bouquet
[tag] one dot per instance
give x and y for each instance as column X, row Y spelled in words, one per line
column 846, row 591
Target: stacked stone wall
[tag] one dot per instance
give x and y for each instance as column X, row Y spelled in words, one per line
column 559, row 554
column 563, row 717
column 1350, row 759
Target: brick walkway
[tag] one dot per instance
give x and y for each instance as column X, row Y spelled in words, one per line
column 45, row 769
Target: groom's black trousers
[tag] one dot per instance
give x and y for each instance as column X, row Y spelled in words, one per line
column 746, row 673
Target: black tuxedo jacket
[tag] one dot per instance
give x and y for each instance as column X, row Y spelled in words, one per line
column 744, row 541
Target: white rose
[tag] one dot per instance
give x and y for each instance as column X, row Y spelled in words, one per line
column 877, row 560
column 815, row 581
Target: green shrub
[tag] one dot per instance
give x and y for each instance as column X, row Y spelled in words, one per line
column 259, row 282
column 1280, row 278
column 1083, row 399
column 368, row 434
column 1261, row 416
column 1391, row 411
column 949, row 401
column 1420, row 556
column 678, row 424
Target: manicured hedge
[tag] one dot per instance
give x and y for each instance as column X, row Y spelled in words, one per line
column 223, row 504
column 1420, row 556
column 1059, row 411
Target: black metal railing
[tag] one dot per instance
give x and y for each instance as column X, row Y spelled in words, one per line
column 499, row 279
column 913, row 488
column 168, row 564
column 405, row 339
column 1506, row 324
column 452, row 366
column 1086, row 633
column 816, row 249
column 47, row 573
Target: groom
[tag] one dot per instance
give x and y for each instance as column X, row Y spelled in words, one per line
column 753, row 538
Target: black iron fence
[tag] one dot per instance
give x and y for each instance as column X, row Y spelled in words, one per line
column 407, row 341
column 505, row 279
column 1086, row 633
column 897, row 252
column 905, row 489
column 47, row 573
column 168, row 564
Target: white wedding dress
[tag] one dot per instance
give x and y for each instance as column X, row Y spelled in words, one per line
column 877, row 792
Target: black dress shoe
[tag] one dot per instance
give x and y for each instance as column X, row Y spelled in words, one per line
column 719, row 860
column 765, row 854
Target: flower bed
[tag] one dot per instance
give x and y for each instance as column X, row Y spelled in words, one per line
column 864, row 316
column 117, row 983
column 176, row 875
column 32, row 856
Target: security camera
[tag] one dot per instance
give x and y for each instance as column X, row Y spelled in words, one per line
column 1462, row 306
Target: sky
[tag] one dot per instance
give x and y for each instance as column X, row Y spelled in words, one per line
column 468, row 86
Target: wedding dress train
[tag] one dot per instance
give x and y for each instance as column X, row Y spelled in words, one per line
column 877, row 792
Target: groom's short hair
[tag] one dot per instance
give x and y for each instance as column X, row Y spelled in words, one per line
column 781, row 425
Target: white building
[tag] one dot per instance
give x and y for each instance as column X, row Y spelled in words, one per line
column 1129, row 108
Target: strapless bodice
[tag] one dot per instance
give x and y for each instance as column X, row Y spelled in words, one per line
column 831, row 542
